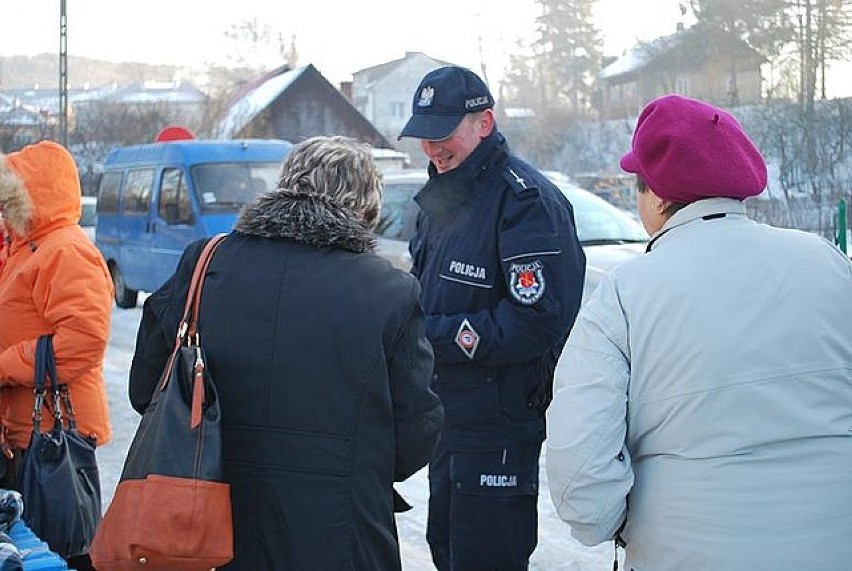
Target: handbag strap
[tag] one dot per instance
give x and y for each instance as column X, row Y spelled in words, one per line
column 45, row 368
column 193, row 297
column 189, row 317
column 188, row 330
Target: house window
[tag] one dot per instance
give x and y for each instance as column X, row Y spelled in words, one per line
column 397, row 109
column 682, row 86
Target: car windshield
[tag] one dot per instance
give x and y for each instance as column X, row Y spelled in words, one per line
column 599, row 222
column 230, row 186
column 399, row 212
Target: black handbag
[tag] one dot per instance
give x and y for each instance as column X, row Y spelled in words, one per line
column 60, row 484
column 172, row 507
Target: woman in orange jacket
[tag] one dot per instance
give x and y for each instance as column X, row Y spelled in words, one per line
column 54, row 281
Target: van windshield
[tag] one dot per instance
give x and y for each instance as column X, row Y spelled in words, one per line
column 230, row 186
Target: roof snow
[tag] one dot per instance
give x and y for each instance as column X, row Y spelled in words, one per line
column 253, row 102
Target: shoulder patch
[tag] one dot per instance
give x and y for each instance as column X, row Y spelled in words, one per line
column 522, row 186
column 526, row 281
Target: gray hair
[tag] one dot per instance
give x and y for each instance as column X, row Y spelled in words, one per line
column 337, row 170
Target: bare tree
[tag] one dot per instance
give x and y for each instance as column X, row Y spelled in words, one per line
column 259, row 47
column 256, row 49
column 823, row 34
column 759, row 23
column 100, row 126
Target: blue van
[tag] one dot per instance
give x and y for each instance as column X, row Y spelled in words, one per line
column 155, row 199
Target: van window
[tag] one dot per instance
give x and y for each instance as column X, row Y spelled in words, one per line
column 229, row 186
column 137, row 192
column 174, row 198
column 108, row 192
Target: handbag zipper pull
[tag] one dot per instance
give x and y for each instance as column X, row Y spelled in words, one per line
column 197, row 387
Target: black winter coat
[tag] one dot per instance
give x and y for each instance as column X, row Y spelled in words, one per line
column 318, row 351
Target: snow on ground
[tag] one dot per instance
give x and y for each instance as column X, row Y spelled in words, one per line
column 557, row 550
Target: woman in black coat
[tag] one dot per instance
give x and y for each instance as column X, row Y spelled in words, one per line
column 318, row 351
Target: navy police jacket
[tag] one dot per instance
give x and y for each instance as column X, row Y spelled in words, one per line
column 501, row 270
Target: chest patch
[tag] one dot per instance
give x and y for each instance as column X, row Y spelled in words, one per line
column 465, row 270
column 467, row 339
column 526, row 282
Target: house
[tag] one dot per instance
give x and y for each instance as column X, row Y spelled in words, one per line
column 22, row 124
column 294, row 104
column 31, row 114
column 383, row 94
column 171, row 101
column 181, row 97
column 694, row 62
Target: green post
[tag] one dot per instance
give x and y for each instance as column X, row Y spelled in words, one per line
column 842, row 220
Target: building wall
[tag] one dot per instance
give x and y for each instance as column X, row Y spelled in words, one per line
column 714, row 84
column 387, row 102
column 626, row 98
column 308, row 109
column 622, row 99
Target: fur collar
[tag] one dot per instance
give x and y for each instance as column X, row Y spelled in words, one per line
column 312, row 219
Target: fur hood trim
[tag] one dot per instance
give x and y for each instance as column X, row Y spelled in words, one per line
column 15, row 201
column 312, row 219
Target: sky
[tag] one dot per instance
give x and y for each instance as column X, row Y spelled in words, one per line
column 338, row 37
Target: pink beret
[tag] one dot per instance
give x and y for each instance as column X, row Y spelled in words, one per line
column 687, row 150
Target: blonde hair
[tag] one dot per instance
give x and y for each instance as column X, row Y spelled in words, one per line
column 337, row 169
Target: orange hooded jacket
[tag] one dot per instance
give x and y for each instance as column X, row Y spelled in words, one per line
column 54, row 281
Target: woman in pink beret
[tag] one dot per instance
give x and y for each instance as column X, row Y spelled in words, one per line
column 702, row 414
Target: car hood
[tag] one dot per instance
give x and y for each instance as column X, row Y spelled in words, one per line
column 602, row 258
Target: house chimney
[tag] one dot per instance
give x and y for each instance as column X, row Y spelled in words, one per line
column 679, row 27
column 346, row 89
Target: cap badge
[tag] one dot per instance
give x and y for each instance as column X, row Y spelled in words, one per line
column 527, row 282
column 426, row 95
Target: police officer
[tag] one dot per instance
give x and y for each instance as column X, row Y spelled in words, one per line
column 501, row 270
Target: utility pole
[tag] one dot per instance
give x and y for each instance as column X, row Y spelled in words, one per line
column 63, row 74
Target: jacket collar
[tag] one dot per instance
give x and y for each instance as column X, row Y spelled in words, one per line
column 444, row 193
column 707, row 209
column 316, row 220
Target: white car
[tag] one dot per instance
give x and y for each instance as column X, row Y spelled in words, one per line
column 609, row 235
column 89, row 215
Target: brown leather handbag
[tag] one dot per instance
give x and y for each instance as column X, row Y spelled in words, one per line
column 172, row 507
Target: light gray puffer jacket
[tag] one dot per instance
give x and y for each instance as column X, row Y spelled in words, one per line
column 708, row 384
